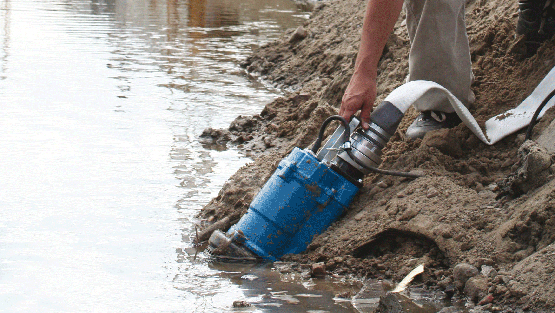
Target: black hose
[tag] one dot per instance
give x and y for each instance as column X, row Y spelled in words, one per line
column 346, row 135
column 535, row 117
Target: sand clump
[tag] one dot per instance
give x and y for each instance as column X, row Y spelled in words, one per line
column 491, row 207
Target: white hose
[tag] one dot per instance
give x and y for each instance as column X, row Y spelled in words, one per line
column 497, row 127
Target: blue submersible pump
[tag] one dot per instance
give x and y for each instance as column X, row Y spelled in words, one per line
column 310, row 189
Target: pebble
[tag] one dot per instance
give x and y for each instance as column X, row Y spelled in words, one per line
column 409, row 214
column 485, row 261
column 391, row 302
column 299, row 34
column 476, row 287
column 241, row 304
column 501, row 290
column 462, row 272
column 486, row 300
column 444, row 283
column 488, row 271
column 432, row 192
column 382, row 184
column 318, row 269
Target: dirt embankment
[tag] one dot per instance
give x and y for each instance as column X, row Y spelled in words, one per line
column 491, row 207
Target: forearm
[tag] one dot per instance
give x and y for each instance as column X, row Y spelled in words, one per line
column 360, row 94
column 380, row 18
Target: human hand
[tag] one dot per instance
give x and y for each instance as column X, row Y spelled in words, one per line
column 360, row 95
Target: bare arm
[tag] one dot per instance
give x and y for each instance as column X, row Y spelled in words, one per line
column 379, row 21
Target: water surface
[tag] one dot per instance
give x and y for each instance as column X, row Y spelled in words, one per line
column 101, row 171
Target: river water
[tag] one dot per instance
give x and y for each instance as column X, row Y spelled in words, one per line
column 102, row 103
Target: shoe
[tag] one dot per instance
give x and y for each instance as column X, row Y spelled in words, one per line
column 431, row 120
column 536, row 21
column 529, row 17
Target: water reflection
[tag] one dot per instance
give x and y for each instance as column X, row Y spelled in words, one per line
column 99, row 7
column 6, row 37
column 268, row 289
column 213, row 13
column 102, row 173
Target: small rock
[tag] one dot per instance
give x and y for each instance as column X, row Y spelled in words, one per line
column 387, row 285
column 409, row 214
column 299, row 34
column 382, row 184
column 359, row 216
column 318, row 269
column 241, row 304
column 446, row 232
column 488, row 271
column 485, row 261
column 344, row 295
column 313, row 246
column 444, row 283
column 465, row 246
column 486, row 300
column 501, row 290
column 476, row 288
column 449, row 291
column 432, row 192
column 492, row 187
column 390, row 303
column 462, row 272
column 300, row 98
column 504, row 278
column 268, row 142
column 338, row 259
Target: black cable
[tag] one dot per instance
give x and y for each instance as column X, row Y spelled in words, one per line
column 535, row 117
column 346, row 135
column 380, row 171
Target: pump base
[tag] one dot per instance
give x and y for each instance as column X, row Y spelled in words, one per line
column 222, row 246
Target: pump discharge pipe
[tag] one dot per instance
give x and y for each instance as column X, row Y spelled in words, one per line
column 310, row 189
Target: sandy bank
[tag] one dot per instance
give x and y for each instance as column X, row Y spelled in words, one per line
column 486, row 206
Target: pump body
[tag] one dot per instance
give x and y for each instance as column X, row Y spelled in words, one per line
column 301, row 199
column 308, row 191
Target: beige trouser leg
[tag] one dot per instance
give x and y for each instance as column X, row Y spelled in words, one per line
column 439, row 49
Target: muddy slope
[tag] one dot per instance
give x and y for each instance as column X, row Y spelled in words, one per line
column 491, row 207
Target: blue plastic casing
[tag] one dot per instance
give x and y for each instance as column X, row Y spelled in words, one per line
column 300, row 200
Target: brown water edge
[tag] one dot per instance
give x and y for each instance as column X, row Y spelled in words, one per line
column 297, row 287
